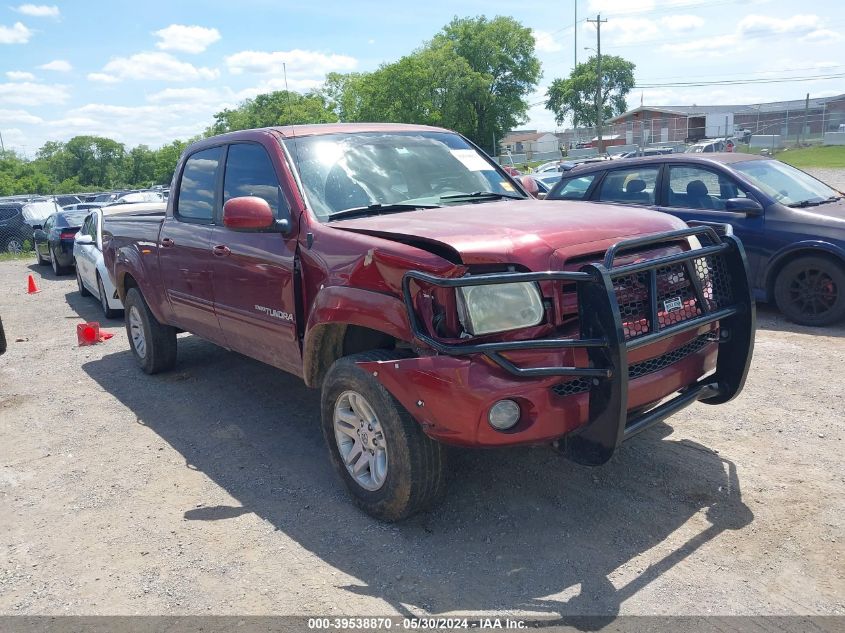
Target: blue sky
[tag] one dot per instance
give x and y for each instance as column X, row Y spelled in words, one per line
column 153, row 71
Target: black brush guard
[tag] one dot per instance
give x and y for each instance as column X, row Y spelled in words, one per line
column 603, row 335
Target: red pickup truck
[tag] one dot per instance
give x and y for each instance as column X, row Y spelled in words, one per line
column 432, row 299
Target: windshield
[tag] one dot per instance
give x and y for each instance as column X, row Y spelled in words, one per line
column 351, row 171
column 784, row 183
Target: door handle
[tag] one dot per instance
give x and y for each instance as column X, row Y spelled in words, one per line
column 166, row 242
column 221, row 250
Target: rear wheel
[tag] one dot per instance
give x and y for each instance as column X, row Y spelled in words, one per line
column 104, row 299
column 390, row 467
column 38, row 259
column 82, row 289
column 13, row 245
column 58, row 269
column 811, row 291
column 152, row 344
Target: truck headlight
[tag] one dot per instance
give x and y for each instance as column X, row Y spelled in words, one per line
column 499, row 307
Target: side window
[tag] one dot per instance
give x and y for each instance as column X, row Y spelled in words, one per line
column 575, row 188
column 630, row 186
column 699, row 188
column 197, row 186
column 92, row 227
column 249, row 172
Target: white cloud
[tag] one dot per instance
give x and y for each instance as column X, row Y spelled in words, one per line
column 188, row 39
column 822, row 35
column 620, row 6
column 15, row 34
column 681, row 23
column 185, row 95
column 765, row 25
column 545, row 42
column 19, row 75
column 9, row 117
column 59, row 65
column 155, row 66
column 38, row 10
column 103, row 78
column 299, row 62
column 30, row 94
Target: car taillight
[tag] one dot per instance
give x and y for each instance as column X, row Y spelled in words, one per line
column 67, row 235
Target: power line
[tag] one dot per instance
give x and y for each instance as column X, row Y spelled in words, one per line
column 737, row 82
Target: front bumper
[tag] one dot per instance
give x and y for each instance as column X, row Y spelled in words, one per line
column 612, row 398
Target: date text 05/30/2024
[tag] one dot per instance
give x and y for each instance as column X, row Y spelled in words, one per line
column 416, row 624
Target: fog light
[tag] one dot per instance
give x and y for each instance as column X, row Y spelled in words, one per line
column 503, row 415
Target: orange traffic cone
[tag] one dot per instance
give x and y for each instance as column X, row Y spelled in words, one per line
column 31, row 286
column 88, row 333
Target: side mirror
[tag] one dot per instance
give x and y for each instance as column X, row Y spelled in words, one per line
column 40, row 235
column 249, row 213
column 743, row 205
column 530, row 186
column 36, row 226
column 84, row 239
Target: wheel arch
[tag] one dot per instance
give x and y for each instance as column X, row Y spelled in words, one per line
column 346, row 321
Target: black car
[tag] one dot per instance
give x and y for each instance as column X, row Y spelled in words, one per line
column 54, row 241
column 18, row 218
column 792, row 225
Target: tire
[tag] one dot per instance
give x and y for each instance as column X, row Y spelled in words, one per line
column 83, row 291
column 158, row 351
column 13, row 245
column 413, row 476
column 58, row 269
column 38, row 259
column 811, row 291
column 104, row 300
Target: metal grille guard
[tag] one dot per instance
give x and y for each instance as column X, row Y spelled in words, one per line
column 604, row 337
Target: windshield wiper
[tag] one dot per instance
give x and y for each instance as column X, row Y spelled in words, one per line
column 482, row 195
column 378, row 209
column 805, row 203
column 832, row 199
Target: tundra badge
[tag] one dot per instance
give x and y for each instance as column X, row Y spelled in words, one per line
column 276, row 314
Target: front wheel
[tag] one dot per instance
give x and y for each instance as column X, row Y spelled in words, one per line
column 390, row 467
column 153, row 344
column 811, row 291
column 58, row 269
column 83, row 291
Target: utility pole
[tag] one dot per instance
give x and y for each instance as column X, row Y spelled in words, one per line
column 806, row 109
column 598, row 22
column 575, row 4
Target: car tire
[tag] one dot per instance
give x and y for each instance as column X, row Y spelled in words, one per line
column 811, row 291
column 58, row 269
column 104, row 300
column 83, row 291
column 412, row 474
column 152, row 344
column 38, row 259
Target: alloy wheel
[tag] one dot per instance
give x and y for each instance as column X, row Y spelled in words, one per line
column 812, row 291
column 360, row 440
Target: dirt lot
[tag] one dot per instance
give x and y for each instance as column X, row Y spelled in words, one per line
column 207, row 490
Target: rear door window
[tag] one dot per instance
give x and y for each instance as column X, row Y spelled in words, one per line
column 630, row 186
column 575, row 188
column 198, row 186
column 699, row 188
column 249, row 172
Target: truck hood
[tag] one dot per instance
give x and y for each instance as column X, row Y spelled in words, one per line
column 527, row 232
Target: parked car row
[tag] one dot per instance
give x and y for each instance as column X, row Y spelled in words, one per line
column 792, row 224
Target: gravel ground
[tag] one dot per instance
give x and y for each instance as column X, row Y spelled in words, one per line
column 207, row 490
column 834, row 177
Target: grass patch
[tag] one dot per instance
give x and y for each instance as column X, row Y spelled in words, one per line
column 8, row 257
column 830, row 156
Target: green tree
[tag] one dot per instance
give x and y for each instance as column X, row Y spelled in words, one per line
column 576, row 95
column 96, row 161
column 140, row 166
column 502, row 51
column 166, row 158
column 275, row 108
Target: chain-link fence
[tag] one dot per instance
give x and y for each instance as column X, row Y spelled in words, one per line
column 16, row 235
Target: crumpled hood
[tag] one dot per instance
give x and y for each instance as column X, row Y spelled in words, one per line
column 526, row 232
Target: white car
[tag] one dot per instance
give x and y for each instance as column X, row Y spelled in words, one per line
column 91, row 274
